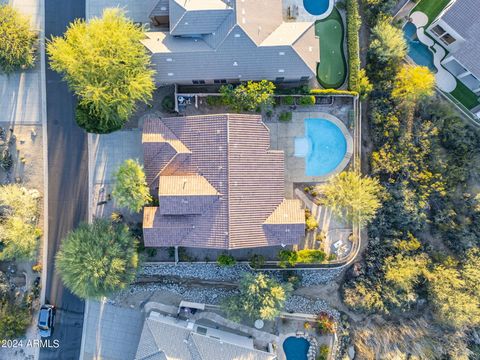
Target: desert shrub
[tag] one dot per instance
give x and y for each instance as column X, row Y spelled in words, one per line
column 226, row 260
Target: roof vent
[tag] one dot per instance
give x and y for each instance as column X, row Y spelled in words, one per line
column 235, row 63
column 281, row 53
column 170, row 74
column 281, row 70
column 169, row 59
column 237, row 35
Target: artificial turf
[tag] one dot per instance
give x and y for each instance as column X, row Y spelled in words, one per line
column 432, row 8
column 332, row 69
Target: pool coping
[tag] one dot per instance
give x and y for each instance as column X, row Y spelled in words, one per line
column 348, row 138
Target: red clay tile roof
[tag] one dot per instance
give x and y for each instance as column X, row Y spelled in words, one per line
column 231, row 154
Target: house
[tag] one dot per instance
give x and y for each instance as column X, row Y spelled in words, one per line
column 222, row 41
column 457, row 29
column 168, row 338
column 218, row 184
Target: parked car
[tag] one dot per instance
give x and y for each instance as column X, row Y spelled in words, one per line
column 46, row 319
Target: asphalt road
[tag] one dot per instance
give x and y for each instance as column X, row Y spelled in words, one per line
column 67, row 188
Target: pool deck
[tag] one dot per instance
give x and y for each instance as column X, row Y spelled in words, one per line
column 300, row 14
column 282, row 137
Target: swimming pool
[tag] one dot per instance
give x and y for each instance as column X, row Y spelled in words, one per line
column 316, row 7
column 296, row 348
column 417, row 51
column 323, row 147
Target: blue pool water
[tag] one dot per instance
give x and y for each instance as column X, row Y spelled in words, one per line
column 296, row 348
column 418, row 52
column 323, row 147
column 316, row 7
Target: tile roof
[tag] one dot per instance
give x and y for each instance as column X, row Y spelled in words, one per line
column 463, row 16
column 235, row 184
column 166, row 338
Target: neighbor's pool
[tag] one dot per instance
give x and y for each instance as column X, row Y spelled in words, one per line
column 418, row 51
column 324, row 147
column 316, row 7
column 296, row 348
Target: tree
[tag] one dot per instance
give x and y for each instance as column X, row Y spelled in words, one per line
column 18, row 222
column 249, row 96
column 15, row 320
column 388, row 42
column 260, row 297
column 106, row 65
column 404, row 271
column 455, row 292
column 131, row 189
column 365, row 87
column 95, row 260
column 413, row 83
column 349, row 194
column 19, row 42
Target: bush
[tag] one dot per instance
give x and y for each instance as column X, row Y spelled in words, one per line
column 310, row 256
column 333, row 92
column 249, row 96
column 6, row 161
column 15, row 320
column 324, row 352
column 285, row 116
column 19, row 42
column 353, row 27
column 307, row 100
column 151, row 252
column 168, row 103
column 87, row 120
column 226, row 260
column 325, row 324
column 287, row 257
column 214, row 100
column 257, row 261
column 288, row 100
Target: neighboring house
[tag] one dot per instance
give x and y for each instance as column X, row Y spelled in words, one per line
column 457, row 29
column 167, row 338
column 220, row 41
column 218, row 183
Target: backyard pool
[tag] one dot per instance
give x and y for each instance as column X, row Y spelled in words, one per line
column 417, row 51
column 296, row 348
column 316, row 7
column 324, row 147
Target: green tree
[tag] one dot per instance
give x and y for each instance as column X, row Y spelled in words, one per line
column 365, row 87
column 19, row 233
column 260, row 297
column 15, row 320
column 106, row 65
column 455, row 292
column 287, row 258
column 95, row 260
column 351, row 195
column 248, row 96
column 388, row 42
column 131, row 189
column 404, row 271
column 19, row 42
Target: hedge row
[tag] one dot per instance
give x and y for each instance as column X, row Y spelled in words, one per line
column 332, row 92
column 353, row 28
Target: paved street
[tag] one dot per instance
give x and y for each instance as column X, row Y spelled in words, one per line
column 68, row 190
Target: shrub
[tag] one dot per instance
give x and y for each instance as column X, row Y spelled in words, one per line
column 151, row 252
column 15, row 320
column 168, row 103
column 353, row 27
column 215, row 100
column 226, row 260
column 287, row 257
column 310, row 256
column 324, row 351
column 249, row 96
column 285, row 116
column 19, row 42
column 310, row 222
column 333, row 92
column 307, row 100
column 288, row 100
column 325, row 324
column 257, row 261
column 6, row 161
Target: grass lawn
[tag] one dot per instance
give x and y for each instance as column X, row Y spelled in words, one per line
column 332, row 69
column 465, row 96
column 431, row 7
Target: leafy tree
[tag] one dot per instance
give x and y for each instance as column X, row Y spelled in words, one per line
column 349, row 194
column 260, row 297
column 287, row 257
column 365, row 87
column 15, row 320
column 413, row 83
column 226, row 260
column 18, row 222
column 97, row 259
column 19, row 42
column 388, row 42
column 248, row 96
column 131, row 189
column 455, row 292
column 404, row 271
column 106, row 65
